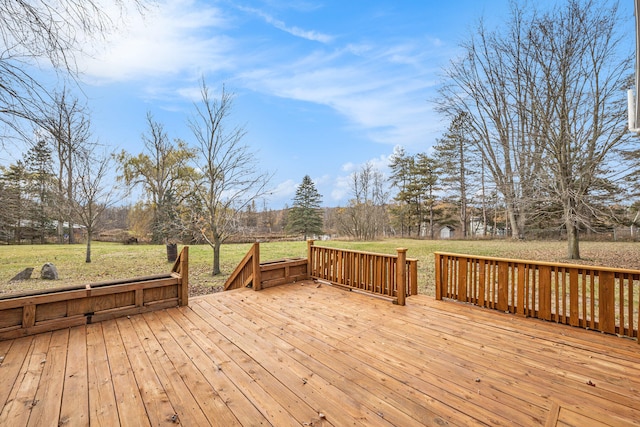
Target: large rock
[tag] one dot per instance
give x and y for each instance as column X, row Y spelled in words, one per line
column 23, row 275
column 49, row 272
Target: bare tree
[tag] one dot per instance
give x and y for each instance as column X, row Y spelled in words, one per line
column 67, row 127
column 92, row 193
column 229, row 179
column 490, row 84
column 52, row 30
column 546, row 108
column 366, row 216
column 578, row 103
column 163, row 171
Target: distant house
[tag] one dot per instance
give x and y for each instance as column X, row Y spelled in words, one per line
column 447, row 232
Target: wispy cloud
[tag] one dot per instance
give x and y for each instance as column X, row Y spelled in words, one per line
column 294, row 31
column 383, row 97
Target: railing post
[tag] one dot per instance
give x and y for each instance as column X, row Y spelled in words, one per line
column 309, row 260
column 439, row 283
column 413, row 271
column 257, row 285
column 401, row 276
column 184, row 276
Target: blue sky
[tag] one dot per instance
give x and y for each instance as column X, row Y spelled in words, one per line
column 321, row 86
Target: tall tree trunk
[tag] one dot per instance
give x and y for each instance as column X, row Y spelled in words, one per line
column 216, row 255
column 70, row 195
column 573, row 237
column 463, row 192
column 514, row 221
column 573, row 241
column 88, row 255
column 484, row 202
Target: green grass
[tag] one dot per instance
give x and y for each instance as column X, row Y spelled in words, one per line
column 116, row 261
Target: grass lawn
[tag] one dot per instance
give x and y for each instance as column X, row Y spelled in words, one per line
column 116, row 261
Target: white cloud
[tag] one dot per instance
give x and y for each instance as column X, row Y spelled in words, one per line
column 294, row 31
column 341, row 188
column 382, row 93
column 284, row 190
column 174, row 37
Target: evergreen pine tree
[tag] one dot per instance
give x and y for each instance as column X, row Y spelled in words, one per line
column 400, row 165
column 305, row 216
column 454, row 150
column 40, row 176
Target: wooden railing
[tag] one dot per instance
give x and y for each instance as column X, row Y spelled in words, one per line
column 599, row 298
column 33, row 312
column 377, row 274
column 250, row 272
column 247, row 272
column 390, row 276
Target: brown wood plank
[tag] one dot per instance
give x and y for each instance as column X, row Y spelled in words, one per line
column 13, row 354
column 462, row 279
column 544, row 295
column 357, row 386
column 41, row 299
column 21, row 400
column 521, row 289
column 188, row 411
column 444, row 391
column 156, row 402
column 503, row 286
column 343, row 409
column 221, row 387
column 126, row 391
column 580, row 381
column 574, row 298
column 606, row 302
column 51, row 310
column 10, row 317
column 568, row 381
column 285, row 355
column 276, row 402
column 210, row 402
column 482, row 281
column 396, row 392
column 46, row 408
column 103, row 409
column 28, row 316
column 74, row 408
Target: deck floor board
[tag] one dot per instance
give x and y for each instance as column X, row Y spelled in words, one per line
column 307, row 354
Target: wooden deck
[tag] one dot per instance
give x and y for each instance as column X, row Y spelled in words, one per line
column 307, row 354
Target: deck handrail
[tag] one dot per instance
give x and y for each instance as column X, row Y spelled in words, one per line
column 599, row 298
column 247, row 272
column 389, row 276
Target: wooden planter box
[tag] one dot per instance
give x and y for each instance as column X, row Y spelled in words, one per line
column 33, row 312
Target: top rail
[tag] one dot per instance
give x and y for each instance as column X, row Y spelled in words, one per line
column 600, row 298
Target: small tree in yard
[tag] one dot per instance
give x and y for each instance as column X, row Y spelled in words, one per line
column 305, row 217
column 92, row 194
column 228, row 180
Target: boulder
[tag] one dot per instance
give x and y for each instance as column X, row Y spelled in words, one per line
column 23, row 275
column 49, row 272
